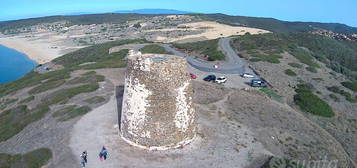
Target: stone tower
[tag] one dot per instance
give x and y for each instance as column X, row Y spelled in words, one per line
column 157, row 110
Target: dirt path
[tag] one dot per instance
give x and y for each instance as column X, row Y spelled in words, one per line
column 91, row 133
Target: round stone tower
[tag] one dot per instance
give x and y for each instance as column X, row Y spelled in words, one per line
column 157, row 111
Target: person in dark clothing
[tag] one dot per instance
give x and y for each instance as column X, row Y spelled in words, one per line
column 103, row 154
column 84, row 158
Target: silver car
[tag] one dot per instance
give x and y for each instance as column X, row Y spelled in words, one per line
column 247, row 75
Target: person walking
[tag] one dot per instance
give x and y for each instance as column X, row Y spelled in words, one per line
column 84, row 159
column 103, row 154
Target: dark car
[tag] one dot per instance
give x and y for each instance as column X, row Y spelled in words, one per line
column 210, row 78
column 258, row 83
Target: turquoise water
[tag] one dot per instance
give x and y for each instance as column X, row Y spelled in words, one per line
column 13, row 64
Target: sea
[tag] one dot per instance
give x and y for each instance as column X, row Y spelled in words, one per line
column 13, row 64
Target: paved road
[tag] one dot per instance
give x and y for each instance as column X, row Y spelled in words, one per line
column 232, row 65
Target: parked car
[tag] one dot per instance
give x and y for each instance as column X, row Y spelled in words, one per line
column 221, row 79
column 247, row 75
column 210, row 78
column 258, row 83
column 193, row 76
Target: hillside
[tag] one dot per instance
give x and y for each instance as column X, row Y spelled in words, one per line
column 73, row 102
column 302, row 68
column 270, row 24
column 338, row 55
column 72, row 20
column 276, row 25
column 154, row 11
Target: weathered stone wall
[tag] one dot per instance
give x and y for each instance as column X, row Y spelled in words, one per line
column 157, row 111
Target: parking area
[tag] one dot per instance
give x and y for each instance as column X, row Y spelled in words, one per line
column 233, row 80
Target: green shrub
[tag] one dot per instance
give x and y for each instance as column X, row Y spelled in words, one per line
column 154, row 49
column 271, row 94
column 28, row 99
column 317, row 79
column 89, row 73
column 347, row 95
column 350, row 85
column 275, row 162
column 255, row 59
column 334, row 97
column 290, row 72
column 208, row 48
column 295, row 65
column 34, row 159
column 311, row 103
column 311, row 69
column 95, row 100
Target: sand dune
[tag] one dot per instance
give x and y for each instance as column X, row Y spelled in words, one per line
column 211, row 30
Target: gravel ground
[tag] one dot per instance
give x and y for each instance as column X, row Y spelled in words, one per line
column 219, row 143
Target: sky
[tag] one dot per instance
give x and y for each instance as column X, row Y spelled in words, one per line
column 330, row 11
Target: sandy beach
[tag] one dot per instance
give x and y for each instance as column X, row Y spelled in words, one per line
column 38, row 50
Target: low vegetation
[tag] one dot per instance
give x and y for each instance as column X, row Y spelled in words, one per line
column 208, row 48
column 90, row 77
column 48, row 85
column 272, row 94
column 309, row 102
column 97, row 53
column 63, row 95
column 277, row 26
column 34, row 159
column 27, row 99
column 348, row 96
column 154, row 49
column 70, row 112
column 303, row 56
column 5, row 102
column 272, row 58
column 115, row 60
column 32, row 79
column 14, row 120
column 290, row 72
column 350, row 85
column 95, row 100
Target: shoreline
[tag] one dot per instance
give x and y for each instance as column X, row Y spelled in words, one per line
column 38, row 51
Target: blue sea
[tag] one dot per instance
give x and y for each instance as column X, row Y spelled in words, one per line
column 13, row 64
